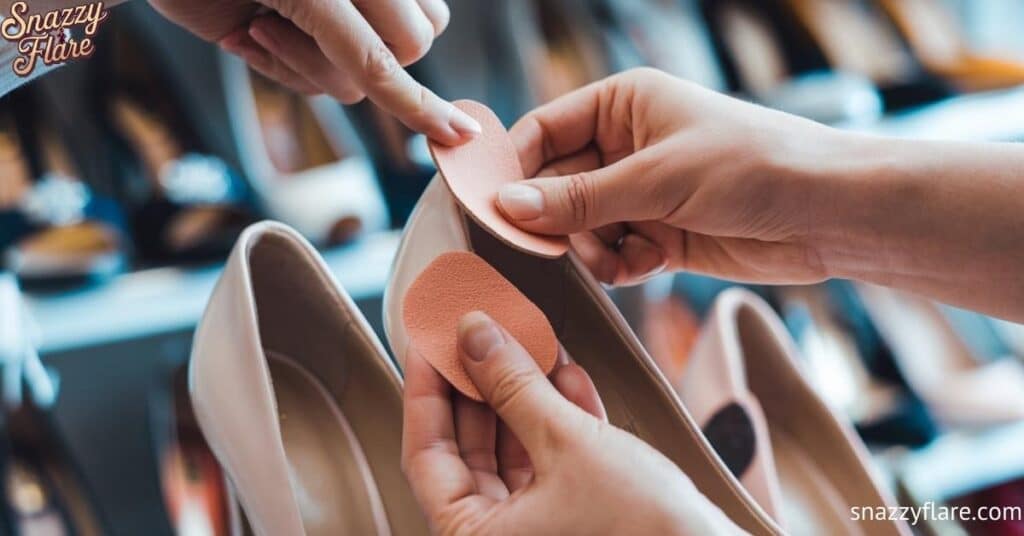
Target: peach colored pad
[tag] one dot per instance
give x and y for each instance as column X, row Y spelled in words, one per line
column 457, row 283
column 476, row 170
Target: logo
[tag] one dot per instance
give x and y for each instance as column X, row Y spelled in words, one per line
column 47, row 37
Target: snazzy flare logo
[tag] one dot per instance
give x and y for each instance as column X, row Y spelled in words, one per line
column 47, row 37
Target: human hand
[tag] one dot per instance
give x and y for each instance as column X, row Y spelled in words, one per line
column 346, row 49
column 538, row 457
column 650, row 173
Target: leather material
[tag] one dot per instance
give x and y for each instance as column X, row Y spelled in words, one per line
column 813, row 466
column 276, row 297
column 594, row 334
column 476, row 189
column 456, row 284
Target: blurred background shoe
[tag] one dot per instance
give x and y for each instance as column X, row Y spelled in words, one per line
column 187, row 205
column 53, row 227
column 303, row 158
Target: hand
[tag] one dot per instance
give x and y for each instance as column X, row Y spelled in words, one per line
column 651, row 173
column 537, row 458
column 348, row 49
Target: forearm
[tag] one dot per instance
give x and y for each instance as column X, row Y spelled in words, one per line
column 942, row 219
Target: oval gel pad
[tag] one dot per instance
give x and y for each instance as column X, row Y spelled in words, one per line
column 476, row 170
column 458, row 283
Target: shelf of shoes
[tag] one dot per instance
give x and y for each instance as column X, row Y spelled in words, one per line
column 165, row 300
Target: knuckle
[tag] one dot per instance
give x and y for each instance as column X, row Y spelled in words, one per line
column 415, row 47
column 579, row 197
column 379, row 64
column 509, row 386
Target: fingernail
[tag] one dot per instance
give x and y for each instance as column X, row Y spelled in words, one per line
column 478, row 335
column 465, row 125
column 521, row 202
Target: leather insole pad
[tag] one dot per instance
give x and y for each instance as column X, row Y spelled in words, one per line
column 476, row 170
column 457, row 283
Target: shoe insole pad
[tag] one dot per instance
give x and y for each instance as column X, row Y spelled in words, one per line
column 477, row 169
column 460, row 282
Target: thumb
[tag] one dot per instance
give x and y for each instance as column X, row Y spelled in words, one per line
column 623, row 191
column 514, row 386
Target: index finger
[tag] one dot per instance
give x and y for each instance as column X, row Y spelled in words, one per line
column 557, row 129
column 350, row 42
column 430, row 455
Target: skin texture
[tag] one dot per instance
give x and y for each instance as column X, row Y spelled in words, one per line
column 538, row 457
column 651, row 173
column 348, row 49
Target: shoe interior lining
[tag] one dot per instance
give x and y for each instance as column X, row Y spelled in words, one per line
column 301, row 316
column 633, row 398
column 796, row 415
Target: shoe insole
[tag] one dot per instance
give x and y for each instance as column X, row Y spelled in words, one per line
column 477, row 169
column 457, row 283
column 330, row 476
column 810, row 502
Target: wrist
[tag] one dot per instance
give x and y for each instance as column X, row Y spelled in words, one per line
column 851, row 185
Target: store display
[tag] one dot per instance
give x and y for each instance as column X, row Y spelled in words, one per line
column 801, row 462
column 296, row 396
column 591, row 330
column 959, row 389
column 302, row 158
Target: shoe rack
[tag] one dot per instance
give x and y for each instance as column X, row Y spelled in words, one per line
column 116, row 342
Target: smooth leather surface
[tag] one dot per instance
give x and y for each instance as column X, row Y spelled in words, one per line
column 475, row 170
column 593, row 333
column 822, row 468
column 277, row 296
column 457, row 283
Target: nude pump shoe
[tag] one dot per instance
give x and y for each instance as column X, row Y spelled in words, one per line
column 591, row 331
column 805, row 465
column 297, row 398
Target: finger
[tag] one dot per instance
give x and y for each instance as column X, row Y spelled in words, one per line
column 557, row 129
column 589, row 199
column 350, row 43
column 576, row 386
column 401, row 24
column 641, row 260
column 438, row 13
column 242, row 45
column 299, row 52
column 476, row 430
column 513, row 461
column 601, row 260
column 512, row 384
column 430, row 455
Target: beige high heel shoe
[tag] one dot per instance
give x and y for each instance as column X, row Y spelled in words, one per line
column 803, row 464
column 589, row 327
column 297, row 398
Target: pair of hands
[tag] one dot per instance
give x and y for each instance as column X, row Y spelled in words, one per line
column 645, row 172
column 348, row 49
